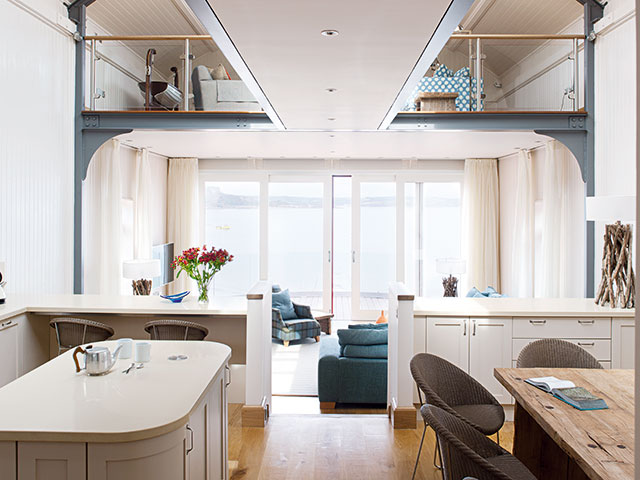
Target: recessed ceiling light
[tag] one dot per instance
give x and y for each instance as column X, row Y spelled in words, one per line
column 331, row 90
column 331, row 119
column 330, row 33
column 331, row 136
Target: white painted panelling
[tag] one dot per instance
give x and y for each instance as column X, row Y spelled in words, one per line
column 36, row 151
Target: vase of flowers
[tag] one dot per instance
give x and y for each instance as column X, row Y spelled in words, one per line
column 201, row 265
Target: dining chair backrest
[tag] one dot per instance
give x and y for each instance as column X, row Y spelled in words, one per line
column 555, row 353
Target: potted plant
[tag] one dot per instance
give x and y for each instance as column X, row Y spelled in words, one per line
column 201, row 265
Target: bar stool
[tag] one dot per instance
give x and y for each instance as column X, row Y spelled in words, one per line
column 71, row 332
column 175, row 330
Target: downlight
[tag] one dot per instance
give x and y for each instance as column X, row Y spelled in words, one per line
column 330, row 33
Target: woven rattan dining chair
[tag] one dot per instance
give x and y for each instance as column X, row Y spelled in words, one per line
column 446, row 386
column 71, row 332
column 555, row 353
column 175, row 330
column 468, row 453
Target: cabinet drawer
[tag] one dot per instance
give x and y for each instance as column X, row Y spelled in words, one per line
column 600, row 349
column 562, row 328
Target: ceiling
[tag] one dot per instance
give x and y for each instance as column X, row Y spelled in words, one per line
column 516, row 16
column 367, row 63
column 438, row 145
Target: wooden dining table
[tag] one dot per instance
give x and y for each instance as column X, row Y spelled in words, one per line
column 556, row 441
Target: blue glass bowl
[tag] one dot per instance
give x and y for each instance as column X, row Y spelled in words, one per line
column 177, row 297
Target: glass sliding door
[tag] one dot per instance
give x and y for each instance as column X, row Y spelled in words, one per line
column 341, row 247
column 374, row 245
column 296, row 241
column 232, row 222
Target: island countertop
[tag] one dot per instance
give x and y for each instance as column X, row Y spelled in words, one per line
column 121, row 304
column 54, row 403
column 515, row 307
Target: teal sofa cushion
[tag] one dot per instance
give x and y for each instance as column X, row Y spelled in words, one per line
column 369, row 326
column 364, row 351
column 282, row 302
column 363, row 336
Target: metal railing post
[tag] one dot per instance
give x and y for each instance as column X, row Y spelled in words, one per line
column 92, row 77
column 478, row 73
column 187, row 70
column 470, row 70
column 576, row 77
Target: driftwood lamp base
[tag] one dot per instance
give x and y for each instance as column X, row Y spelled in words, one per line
column 141, row 287
column 618, row 283
column 450, row 285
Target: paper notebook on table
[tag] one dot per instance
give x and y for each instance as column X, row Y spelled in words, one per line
column 565, row 390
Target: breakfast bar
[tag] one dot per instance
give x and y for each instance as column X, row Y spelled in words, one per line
column 167, row 419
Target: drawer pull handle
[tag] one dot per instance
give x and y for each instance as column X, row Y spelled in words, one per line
column 537, row 322
column 227, row 369
column 587, row 344
column 586, row 322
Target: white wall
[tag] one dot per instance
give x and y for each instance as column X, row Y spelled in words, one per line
column 575, row 190
column 36, row 149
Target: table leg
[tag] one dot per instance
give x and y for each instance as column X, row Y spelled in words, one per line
column 538, row 452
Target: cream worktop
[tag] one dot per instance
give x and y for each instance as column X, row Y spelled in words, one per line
column 54, row 403
column 120, row 304
column 515, row 307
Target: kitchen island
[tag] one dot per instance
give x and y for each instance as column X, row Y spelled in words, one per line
column 167, row 420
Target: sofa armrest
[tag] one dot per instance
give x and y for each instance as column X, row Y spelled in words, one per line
column 276, row 320
column 329, row 370
column 302, row 311
column 209, row 94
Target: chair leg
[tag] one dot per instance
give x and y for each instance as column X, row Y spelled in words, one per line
column 317, row 338
column 415, row 468
column 436, row 455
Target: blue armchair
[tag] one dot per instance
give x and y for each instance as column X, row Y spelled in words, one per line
column 300, row 325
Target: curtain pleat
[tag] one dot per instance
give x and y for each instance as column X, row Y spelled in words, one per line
column 524, row 229
column 142, row 206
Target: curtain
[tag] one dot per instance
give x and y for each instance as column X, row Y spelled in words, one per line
column 102, row 232
column 523, row 228
column 182, row 212
column 142, row 206
column 481, row 223
column 563, row 244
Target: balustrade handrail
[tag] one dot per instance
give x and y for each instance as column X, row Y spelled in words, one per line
column 103, row 38
column 515, row 36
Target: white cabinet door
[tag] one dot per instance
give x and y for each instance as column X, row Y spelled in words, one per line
column 158, row 458
column 8, row 467
column 218, row 429
column 197, row 442
column 489, row 348
column 623, row 343
column 449, row 338
column 52, row 461
column 8, row 352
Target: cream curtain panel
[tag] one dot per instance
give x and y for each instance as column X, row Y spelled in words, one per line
column 481, row 238
column 102, row 222
column 142, row 206
column 182, row 212
column 522, row 259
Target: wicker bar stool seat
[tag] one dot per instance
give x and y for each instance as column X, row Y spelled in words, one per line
column 175, row 330
column 555, row 353
column 71, row 332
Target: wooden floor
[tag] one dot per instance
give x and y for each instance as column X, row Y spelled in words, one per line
column 346, row 445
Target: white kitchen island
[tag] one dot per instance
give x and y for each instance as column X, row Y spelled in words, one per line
column 167, row 420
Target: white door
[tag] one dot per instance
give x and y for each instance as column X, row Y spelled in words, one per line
column 8, row 352
column 489, row 348
column 449, row 338
column 374, row 245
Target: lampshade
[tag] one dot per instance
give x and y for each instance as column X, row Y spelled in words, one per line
column 142, row 268
column 611, row 208
column 451, row 266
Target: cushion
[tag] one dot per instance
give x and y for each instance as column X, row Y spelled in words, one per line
column 364, row 351
column 282, row 301
column 443, row 71
column 368, row 336
column 219, row 73
column 275, row 288
column 368, row 326
column 463, row 72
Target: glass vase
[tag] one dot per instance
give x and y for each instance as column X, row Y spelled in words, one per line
column 203, row 293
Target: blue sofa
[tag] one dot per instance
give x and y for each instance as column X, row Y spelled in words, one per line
column 344, row 379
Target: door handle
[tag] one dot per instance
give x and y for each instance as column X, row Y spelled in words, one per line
column 587, row 344
column 190, row 440
column 464, row 333
column 329, row 256
column 586, row 322
column 474, row 328
column 227, row 369
column 537, row 322
column 353, row 256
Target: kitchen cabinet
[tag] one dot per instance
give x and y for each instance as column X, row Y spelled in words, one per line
column 8, row 467
column 51, row 460
column 623, row 343
column 9, row 351
column 476, row 345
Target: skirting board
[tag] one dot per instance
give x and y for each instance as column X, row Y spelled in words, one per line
column 255, row 415
column 402, row 418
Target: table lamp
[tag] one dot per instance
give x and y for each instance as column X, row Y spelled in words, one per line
column 451, row 267
column 139, row 271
